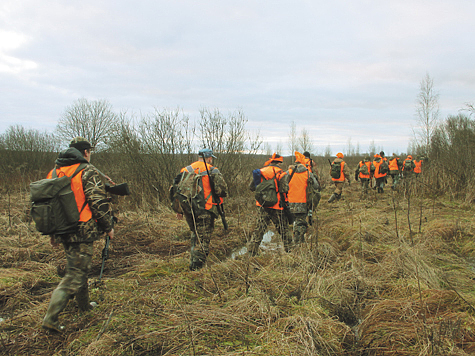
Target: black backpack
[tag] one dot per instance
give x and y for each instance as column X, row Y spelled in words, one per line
column 267, row 192
column 53, row 204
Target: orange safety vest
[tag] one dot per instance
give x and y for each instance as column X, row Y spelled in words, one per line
column 200, row 168
column 376, row 171
column 342, row 176
column 77, row 188
column 268, row 173
column 393, row 164
column 418, row 167
column 298, row 187
column 368, row 164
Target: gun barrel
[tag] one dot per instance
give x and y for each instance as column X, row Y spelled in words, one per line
column 118, row 189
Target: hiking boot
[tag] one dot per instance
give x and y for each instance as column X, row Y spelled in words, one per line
column 52, row 327
column 194, row 266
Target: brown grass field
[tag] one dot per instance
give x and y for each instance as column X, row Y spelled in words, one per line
column 389, row 274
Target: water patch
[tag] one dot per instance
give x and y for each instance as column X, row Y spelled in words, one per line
column 266, row 244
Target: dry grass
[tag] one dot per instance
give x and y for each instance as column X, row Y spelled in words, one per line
column 358, row 286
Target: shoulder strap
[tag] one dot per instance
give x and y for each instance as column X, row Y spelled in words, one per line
column 54, row 174
column 293, row 172
column 189, row 169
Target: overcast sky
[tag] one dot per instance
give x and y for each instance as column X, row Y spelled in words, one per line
column 342, row 69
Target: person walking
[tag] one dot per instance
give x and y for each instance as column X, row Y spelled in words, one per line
column 201, row 222
column 301, row 181
column 417, row 166
column 275, row 213
column 95, row 218
column 339, row 172
column 395, row 166
column 314, row 195
column 380, row 172
column 408, row 167
column 363, row 173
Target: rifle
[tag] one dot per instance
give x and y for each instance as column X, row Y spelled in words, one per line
column 105, row 256
column 285, row 205
column 215, row 196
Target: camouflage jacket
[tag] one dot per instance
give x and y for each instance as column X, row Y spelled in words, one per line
column 96, row 198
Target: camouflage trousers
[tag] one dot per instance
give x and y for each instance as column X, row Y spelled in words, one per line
column 380, row 184
column 264, row 217
column 364, row 184
column 300, row 227
column 74, row 282
column 395, row 178
column 201, row 227
column 338, row 187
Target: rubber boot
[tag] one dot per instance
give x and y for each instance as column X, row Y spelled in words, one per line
column 82, row 299
column 59, row 300
column 332, row 198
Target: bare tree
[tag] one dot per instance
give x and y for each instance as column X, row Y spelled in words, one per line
column 372, row 148
column 328, row 151
column 292, row 138
column 350, row 151
column 305, row 141
column 228, row 137
column 427, row 111
column 93, row 120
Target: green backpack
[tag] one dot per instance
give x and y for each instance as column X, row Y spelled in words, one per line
column 53, row 204
column 187, row 193
column 364, row 169
column 384, row 167
column 335, row 170
column 266, row 193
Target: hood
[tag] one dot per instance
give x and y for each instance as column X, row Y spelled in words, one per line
column 69, row 157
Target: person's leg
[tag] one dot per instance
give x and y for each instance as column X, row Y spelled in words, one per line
column 74, row 282
column 263, row 220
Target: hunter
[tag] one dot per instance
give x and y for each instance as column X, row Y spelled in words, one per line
column 363, row 173
column 94, row 219
column 273, row 213
column 301, row 182
column 201, row 223
column 339, row 172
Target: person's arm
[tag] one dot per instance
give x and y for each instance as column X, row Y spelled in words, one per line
column 96, row 198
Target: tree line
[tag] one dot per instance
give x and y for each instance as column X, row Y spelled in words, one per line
column 149, row 151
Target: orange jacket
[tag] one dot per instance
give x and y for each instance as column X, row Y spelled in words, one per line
column 77, row 188
column 268, row 173
column 342, row 175
column 298, row 187
column 418, row 167
column 200, row 168
column 376, row 171
column 368, row 164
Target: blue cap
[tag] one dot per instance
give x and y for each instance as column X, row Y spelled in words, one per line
column 206, row 152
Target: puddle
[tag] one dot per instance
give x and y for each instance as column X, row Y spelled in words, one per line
column 266, row 245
